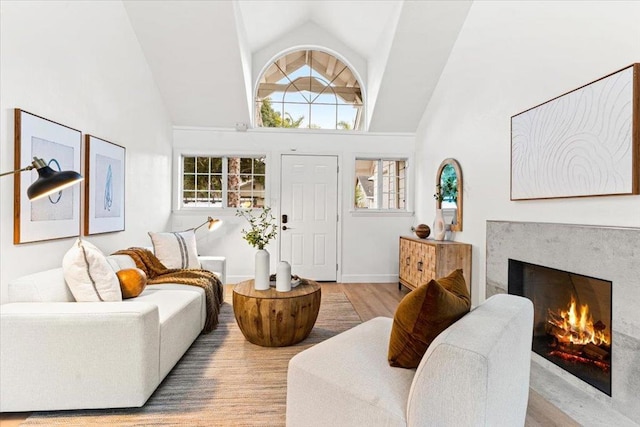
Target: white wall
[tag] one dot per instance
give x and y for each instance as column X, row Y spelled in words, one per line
column 369, row 249
column 79, row 63
column 510, row 56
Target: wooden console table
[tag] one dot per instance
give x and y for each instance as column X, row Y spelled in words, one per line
column 422, row 260
column 276, row 319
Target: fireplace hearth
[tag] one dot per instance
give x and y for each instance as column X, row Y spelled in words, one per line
column 572, row 319
column 611, row 254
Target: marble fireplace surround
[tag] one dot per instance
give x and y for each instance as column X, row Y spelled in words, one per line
column 610, row 253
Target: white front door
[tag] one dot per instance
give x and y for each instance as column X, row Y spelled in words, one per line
column 309, row 215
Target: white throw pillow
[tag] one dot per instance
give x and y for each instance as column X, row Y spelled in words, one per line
column 89, row 275
column 177, row 249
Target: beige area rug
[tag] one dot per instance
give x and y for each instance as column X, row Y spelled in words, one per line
column 222, row 380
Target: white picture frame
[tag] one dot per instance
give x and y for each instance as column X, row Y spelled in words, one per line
column 56, row 216
column 105, row 169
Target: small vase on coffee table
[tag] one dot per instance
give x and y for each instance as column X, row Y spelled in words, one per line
column 261, row 279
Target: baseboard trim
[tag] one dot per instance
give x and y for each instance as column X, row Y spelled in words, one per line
column 346, row 278
column 369, row 278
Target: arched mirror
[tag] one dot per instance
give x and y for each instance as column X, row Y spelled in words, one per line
column 449, row 192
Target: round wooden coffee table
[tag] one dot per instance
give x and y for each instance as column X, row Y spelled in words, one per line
column 276, row 319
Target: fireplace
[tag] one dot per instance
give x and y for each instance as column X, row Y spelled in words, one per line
column 572, row 319
column 610, row 253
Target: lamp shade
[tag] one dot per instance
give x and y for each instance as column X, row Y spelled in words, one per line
column 50, row 181
column 211, row 223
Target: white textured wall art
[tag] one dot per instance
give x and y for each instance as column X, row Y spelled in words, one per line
column 583, row 143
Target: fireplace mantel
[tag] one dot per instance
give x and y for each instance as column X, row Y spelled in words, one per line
column 597, row 251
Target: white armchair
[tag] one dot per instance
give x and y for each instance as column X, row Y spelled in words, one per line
column 475, row 373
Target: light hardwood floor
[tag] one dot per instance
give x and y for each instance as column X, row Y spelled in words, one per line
column 375, row 299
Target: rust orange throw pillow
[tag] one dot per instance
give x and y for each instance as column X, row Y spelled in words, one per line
column 422, row 314
column 132, row 282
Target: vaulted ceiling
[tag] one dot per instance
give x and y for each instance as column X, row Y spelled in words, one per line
column 206, row 55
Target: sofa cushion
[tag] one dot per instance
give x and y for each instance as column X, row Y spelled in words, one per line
column 120, row 262
column 349, row 381
column 43, row 286
column 180, row 310
column 132, row 282
column 423, row 314
column 176, row 249
column 89, row 275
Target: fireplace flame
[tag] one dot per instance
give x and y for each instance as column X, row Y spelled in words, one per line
column 576, row 326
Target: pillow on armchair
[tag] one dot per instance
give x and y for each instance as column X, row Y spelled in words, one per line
column 176, row 249
column 422, row 314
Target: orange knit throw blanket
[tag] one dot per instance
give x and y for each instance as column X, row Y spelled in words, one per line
column 157, row 273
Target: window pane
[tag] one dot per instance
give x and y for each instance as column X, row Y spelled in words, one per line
column 216, row 182
column 189, row 182
column 202, row 182
column 233, row 164
column 380, row 184
column 204, row 185
column 259, row 166
column 202, row 165
column 296, row 115
column 323, row 116
column 327, row 97
column 246, row 165
column 189, row 164
column 293, row 96
column 216, row 164
column 346, row 118
column 233, row 199
column 258, row 199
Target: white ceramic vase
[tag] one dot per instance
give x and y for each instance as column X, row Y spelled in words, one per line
column 261, row 280
column 439, row 228
column 283, row 277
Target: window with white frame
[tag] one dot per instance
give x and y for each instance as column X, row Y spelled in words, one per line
column 309, row 88
column 223, row 181
column 380, row 184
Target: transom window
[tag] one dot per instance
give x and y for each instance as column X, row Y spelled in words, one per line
column 227, row 181
column 380, row 184
column 309, row 89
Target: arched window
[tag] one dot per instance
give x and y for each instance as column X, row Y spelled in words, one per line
column 309, row 89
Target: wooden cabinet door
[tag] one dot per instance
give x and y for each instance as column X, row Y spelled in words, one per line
column 417, row 263
column 429, row 269
column 405, row 260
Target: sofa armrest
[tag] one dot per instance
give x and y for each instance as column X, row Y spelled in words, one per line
column 78, row 355
column 216, row 264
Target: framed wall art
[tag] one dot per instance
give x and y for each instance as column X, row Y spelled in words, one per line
column 104, row 187
column 583, row 143
column 58, row 215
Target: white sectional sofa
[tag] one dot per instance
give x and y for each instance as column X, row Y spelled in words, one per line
column 56, row 353
column 475, row 373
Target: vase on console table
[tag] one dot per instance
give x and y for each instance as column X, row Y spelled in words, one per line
column 261, row 279
column 439, row 228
